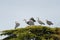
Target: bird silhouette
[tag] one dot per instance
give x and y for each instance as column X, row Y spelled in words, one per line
column 32, row 19
column 16, row 24
column 40, row 22
column 30, row 22
column 49, row 22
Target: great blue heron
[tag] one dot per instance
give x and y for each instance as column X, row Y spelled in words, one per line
column 49, row 22
column 30, row 22
column 40, row 22
column 17, row 24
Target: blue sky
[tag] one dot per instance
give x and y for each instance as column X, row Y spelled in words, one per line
column 17, row 10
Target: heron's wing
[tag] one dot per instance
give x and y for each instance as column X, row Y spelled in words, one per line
column 49, row 22
column 28, row 22
column 40, row 22
column 33, row 19
column 31, row 22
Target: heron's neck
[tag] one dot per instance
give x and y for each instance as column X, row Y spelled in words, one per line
column 26, row 21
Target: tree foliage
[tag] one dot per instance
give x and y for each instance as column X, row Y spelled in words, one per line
column 31, row 32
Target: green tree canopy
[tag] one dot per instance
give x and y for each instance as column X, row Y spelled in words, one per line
column 31, row 32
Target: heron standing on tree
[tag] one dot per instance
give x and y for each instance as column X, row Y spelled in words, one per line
column 40, row 22
column 17, row 24
column 30, row 22
column 49, row 22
